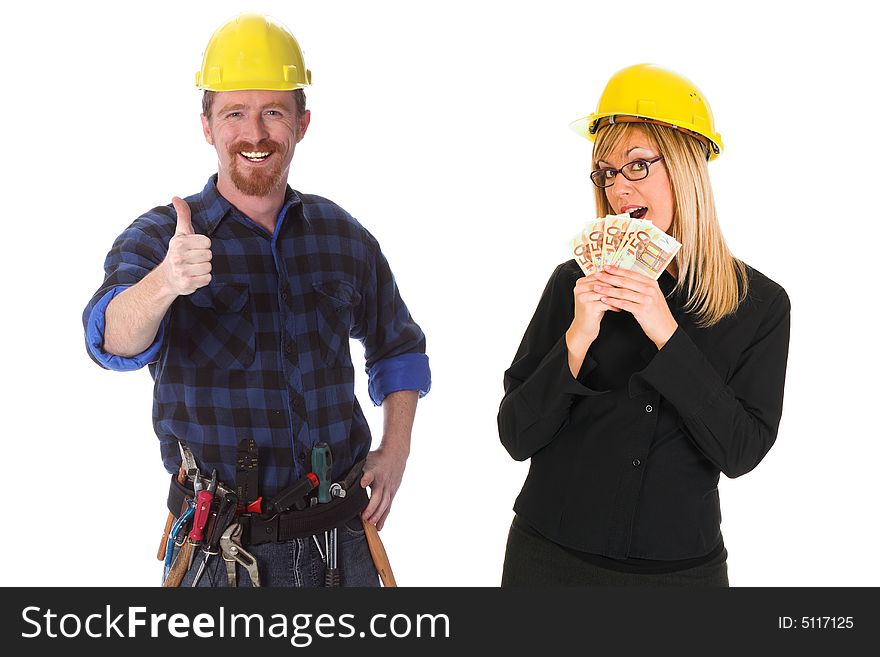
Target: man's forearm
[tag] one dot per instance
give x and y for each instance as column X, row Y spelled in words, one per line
column 133, row 317
column 399, row 414
column 384, row 468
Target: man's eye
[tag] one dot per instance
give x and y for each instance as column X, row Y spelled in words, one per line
column 233, row 114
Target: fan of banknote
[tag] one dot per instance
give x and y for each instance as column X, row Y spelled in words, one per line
column 624, row 241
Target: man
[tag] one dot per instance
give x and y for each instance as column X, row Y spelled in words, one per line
column 242, row 300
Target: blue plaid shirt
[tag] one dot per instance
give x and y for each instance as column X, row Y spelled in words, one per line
column 263, row 351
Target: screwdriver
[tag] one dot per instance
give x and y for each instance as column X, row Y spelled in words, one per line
column 224, row 518
column 203, row 511
column 322, row 466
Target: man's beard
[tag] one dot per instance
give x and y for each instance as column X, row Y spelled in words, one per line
column 258, row 181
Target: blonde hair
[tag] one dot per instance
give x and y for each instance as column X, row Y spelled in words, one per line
column 714, row 281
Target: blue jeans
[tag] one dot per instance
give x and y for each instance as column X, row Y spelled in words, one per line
column 297, row 562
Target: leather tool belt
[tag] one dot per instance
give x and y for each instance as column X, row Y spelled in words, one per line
column 258, row 528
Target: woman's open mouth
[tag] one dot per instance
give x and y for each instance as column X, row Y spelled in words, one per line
column 636, row 212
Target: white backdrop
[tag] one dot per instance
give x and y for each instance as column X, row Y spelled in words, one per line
column 443, row 127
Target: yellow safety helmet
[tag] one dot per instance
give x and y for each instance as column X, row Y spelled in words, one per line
column 646, row 93
column 253, row 52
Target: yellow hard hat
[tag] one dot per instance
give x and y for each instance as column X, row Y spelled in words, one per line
column 253, row 52
column 650, row 94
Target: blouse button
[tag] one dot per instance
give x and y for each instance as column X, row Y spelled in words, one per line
column 649, row 408
column 636, row 463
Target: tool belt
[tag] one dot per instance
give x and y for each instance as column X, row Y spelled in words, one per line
column 258, row 529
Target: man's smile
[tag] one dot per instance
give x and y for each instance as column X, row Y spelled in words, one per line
column 255, row 157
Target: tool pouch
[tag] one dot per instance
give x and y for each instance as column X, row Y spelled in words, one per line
column 178, row 495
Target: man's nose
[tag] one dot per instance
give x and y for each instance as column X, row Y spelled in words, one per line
column 254, row 128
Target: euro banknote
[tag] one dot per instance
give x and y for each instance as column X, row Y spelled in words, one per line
column 633, row 244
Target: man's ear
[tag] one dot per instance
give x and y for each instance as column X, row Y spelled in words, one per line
column 206, row 129
column 303, row 125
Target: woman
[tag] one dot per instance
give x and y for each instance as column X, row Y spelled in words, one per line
column 629, row 395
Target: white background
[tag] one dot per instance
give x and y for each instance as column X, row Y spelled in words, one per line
column 443, row 128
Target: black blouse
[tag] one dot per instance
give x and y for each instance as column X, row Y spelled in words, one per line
column 625, row 459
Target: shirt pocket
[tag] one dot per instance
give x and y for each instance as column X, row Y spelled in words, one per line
column 220, row 330
column 334, row 304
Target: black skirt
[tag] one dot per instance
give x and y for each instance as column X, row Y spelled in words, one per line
column 532, row 560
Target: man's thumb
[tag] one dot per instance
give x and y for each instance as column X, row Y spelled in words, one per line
column 184, row 219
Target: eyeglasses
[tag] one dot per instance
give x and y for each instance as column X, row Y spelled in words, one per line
column 635, row 170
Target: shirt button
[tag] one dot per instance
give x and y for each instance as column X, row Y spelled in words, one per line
column 284, row 294
column 649, row 408
column 302, row 457
column 288, row 348
column 636, row 463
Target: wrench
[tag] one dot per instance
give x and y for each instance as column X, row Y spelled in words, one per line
column 230, row 546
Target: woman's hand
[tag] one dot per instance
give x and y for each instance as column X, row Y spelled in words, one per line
column 588, row 313
column 639, row 295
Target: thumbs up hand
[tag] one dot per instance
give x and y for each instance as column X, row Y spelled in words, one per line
column 187, row 265
column 184, row 218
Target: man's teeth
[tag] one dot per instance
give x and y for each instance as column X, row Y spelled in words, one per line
column 255, row 155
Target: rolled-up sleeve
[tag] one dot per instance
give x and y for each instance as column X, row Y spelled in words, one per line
column 94, row 327
column 734, row 424
column 135, row 253
column 394, row 345
column 404, row 372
